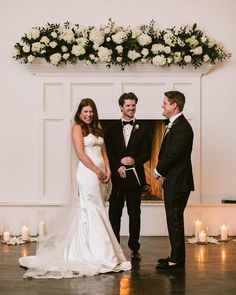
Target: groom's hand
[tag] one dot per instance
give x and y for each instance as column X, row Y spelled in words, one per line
column 127, row 161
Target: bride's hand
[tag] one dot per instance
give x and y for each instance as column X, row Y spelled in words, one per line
column 108, row 176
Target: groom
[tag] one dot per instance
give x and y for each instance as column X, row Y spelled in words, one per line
column 128, row 147
column 174, row 169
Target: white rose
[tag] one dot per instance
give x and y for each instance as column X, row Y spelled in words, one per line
column 159, row 60
column 145, row 52
column 96, row 36
column 64, row 48
column 119, row 59
column 157, row 48
column 30, row 58
column 66, row 55
column 53, row 44
column 169, row 38
column 144, row 39
column 132, row 54
column 81, row 41
column 167, row 49
column 37, row 46
column 45, row 40
column 206, row 58
column 104, row 54
column 34, row 34
column 136, row 32
column 67, row 35
column 187, row 58
column 119, row 49
column 211, row 43
column 55, row 58
column 203, row 39
column 26, row 48
column 78, row 50
column 197, row 51
column 192, row 41
column 107, row 30
column 119, row 37
column 54, row 35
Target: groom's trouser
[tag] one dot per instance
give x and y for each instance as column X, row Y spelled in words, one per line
column 133, row 203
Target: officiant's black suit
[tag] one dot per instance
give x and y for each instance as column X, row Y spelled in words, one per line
column 174, row 164
column 138, row 147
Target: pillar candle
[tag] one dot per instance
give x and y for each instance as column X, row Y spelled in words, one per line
column 6, row 236
column 41, row 228
column 198, row 225
column 224, row 232
column 202, row 237
column 25, row 233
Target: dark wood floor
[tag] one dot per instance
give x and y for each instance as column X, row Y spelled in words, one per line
column 210, row 269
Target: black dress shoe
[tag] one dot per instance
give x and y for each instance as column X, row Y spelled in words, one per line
column 163, row 260
column 135, row 255
column 167, row 267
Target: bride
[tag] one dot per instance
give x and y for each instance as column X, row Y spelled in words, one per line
column 80, row 241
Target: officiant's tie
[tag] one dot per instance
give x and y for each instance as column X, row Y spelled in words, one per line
column 128, row 122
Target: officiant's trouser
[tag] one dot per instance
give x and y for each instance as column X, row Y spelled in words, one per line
column 175, row 204
column 133, row 203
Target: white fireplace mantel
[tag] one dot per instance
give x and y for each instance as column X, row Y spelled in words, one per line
column 82, row 69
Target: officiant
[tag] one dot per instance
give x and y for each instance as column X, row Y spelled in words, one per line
column 128, row 144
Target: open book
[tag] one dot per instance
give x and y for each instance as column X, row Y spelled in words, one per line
column 131, row 180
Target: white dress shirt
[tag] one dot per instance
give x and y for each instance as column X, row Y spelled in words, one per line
column 127, row 130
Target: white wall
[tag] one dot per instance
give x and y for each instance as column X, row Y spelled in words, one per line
column 18, row 132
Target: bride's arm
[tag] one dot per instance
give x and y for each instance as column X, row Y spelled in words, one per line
column 78, row 141
column 106, row 161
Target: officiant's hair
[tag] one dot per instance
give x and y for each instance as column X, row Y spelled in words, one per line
column 129, row 95
column 95, row 125
column 177, row 97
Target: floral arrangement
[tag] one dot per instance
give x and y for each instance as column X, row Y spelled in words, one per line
column 116, row 45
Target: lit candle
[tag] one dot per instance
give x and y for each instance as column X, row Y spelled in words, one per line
column 202, row 236
column 41, row 228
column 25, row 233
column 224, row 232
column 6, row 236
column 198, row 225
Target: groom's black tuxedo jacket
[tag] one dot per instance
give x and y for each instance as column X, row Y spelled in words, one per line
column 139, row 148
column 174, row 161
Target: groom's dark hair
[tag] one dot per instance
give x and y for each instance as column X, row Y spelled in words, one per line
column 177, row 97
column 129, row 95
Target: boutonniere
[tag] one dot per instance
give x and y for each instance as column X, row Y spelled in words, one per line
column 168, row 127
column 136, row 127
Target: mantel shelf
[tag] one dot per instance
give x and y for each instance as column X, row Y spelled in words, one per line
column 81, row 69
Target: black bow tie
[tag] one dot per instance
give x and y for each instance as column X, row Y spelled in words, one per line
column 128, row 122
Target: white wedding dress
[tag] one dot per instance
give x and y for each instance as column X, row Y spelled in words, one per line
column 88, row 245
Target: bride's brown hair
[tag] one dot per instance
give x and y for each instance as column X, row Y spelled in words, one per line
column 94, row 125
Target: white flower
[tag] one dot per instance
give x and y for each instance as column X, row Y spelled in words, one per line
column 119, row 59
column 119, row 37
column 95, row 46
column 55, row 58
column 136, row 32
column 144, row 39
column 30, row 58
column 187, row 58
column 81, row 41
column 159, row 60
column 65, row 56
column 169, row 38
column 206, row 58
column 180, row 42
column 132, row 54
column 177, row 57
column 156, row 48
column 67, row 35
column 78, row 50
column 54, row 35
column 108, row 39
column 203, row 39
column 136, row 126
column 211, row 43
column 119, row 49
column 167, row 49
column 64, row 48
column 26, row 48
column 192, row 41
column 34, row 34
column 53, row 44
column 96, row 36
column 37, row 46
column 169, row 60
column 145, row 51
column 104, row 54
column 197, row 51
column 45, row 40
